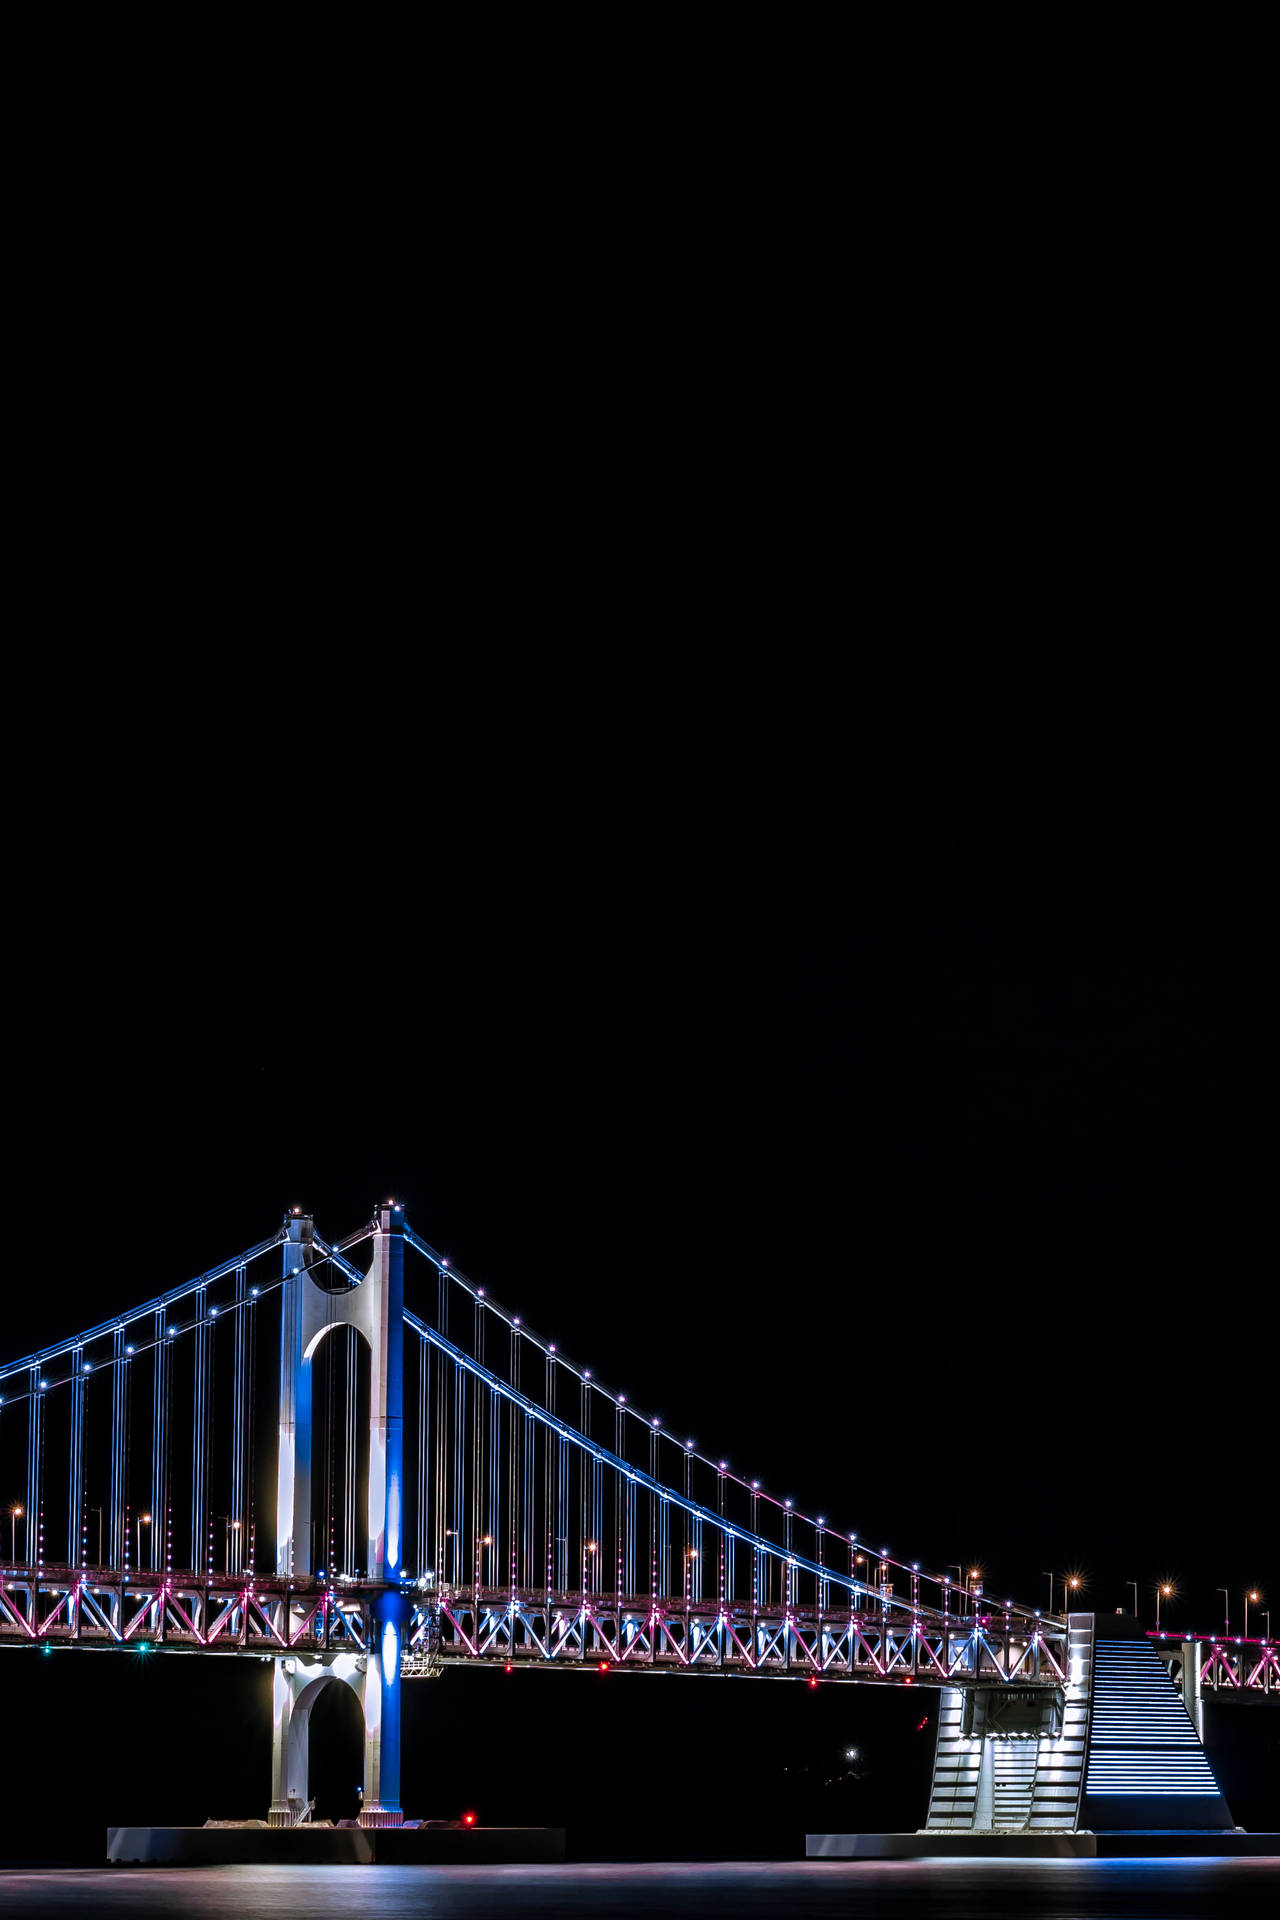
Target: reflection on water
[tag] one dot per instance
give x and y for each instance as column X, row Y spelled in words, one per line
column 1059, row 1889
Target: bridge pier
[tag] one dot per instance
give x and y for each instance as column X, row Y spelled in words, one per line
column 296, row 1686
column 1192, row 1693
column 376, row 1310
column 381, row 1700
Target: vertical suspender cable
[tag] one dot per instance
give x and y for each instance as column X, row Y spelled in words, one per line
column 239, row 1375
column 422, row 1458
column 619, row 1481
column 349, row 1462
column 325, row 1533
column 547, row 1507
column 562, row 1515
column 119, row 1388
column 159, row 1491
column 584, row 1538
column 456, row 1573
column 514, row 1481
column 251, row 1402
column 441, row 1403
column 211, row 1429
column 530, row 1461
column 75, row 1487
column 199, row 1435
column 36, row 1513
column 653, row 1520
column 493, row 1520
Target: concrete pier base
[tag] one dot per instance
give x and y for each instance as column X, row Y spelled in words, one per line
column 312, row 1846
column 1037, row 1846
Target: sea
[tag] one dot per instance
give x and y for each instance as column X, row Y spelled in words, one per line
column 952, row 1890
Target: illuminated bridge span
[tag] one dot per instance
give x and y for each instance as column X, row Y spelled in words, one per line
column 284, row 1458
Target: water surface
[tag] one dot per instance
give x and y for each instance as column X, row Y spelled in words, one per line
column 1058, row 1889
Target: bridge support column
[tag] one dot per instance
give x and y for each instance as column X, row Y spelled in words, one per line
column 290, row 1747
column 295, row 1688
column 381, row 1806
column 1192, row 1694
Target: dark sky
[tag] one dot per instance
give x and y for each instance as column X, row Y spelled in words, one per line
column 659, row 664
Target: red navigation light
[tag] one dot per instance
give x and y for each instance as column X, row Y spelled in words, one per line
column 507, row 1668
column 909, row 1681
column 604, row 1666
column 813, row 1679
column 468, row 1819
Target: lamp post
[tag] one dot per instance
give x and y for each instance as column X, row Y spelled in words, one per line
column 1226, row 1609
column 1050, row 1577
column 229, row 1526
column 1255, row 1597
column 15, row 1514
column 1134, row 1585
column 1073, row 1581
column 144, row 1520
column 1166, row 1589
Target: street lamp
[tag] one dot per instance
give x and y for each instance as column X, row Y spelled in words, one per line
column 1075, row 1583
column 1050, row 1577
column 1255, row 1597
column 229, row 1526
column 15, row 1514
column 1165, row 1588
column 144, row 1520
column 1226, row 1609
column 1134, row 1585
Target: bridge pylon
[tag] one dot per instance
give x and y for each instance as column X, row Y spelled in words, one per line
column 309, row 1310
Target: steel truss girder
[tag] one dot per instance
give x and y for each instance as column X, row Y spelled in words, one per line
column 65, row 1606
column 1239, row 1669
column 532, row 1626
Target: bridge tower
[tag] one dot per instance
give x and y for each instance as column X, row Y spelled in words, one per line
column 375, row 1309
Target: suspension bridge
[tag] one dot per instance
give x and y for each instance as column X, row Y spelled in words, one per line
column 346, row 1458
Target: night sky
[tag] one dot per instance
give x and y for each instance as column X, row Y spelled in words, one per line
column 665, row 679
